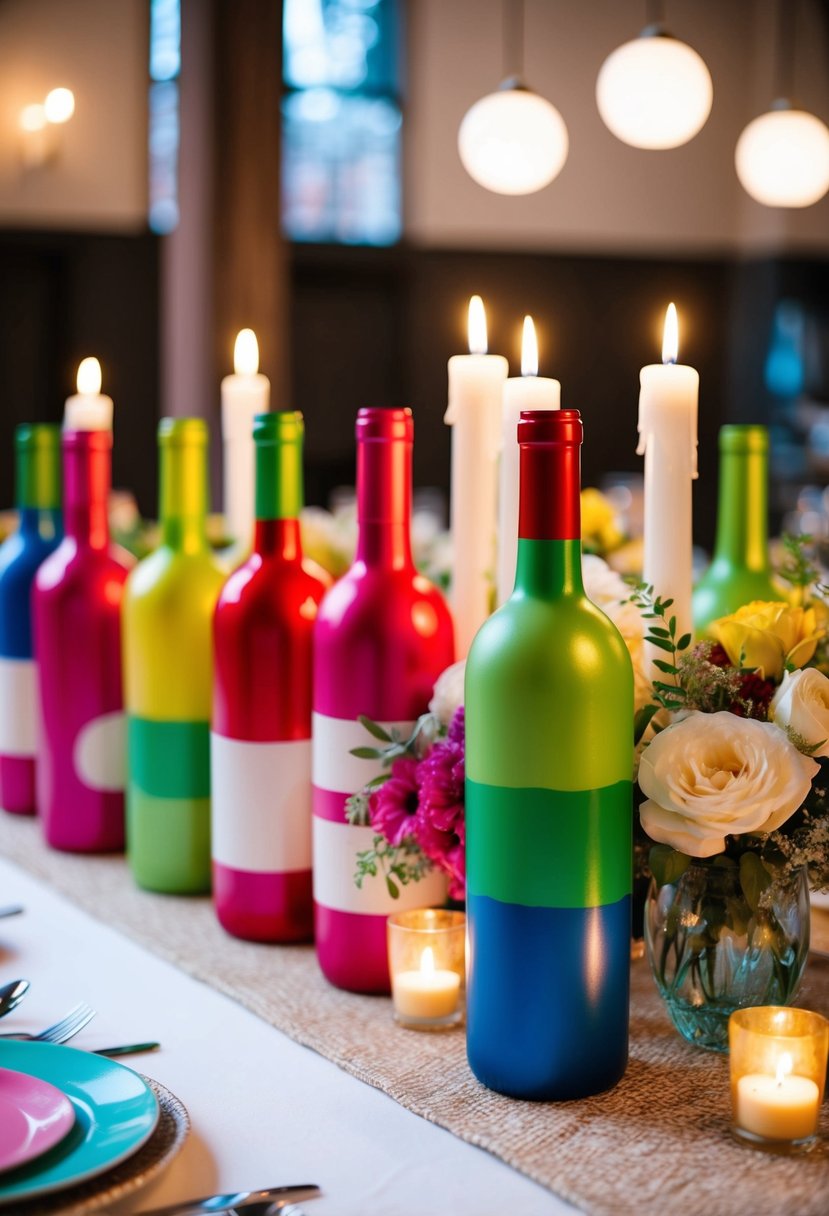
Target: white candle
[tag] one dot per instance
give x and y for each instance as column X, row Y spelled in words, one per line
column 668, row 440
column 244, row 395
column 783, row 1107
column 529, row 391
column 89, row 409
column 474, row 412
column 429, row 993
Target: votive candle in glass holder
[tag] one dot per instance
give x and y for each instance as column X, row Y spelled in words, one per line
column 778, row 1073
column 426, row 962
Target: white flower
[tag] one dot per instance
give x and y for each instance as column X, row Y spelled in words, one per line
column 801, row 704
column 715, row 775
column 611, row 593
column 448, row 692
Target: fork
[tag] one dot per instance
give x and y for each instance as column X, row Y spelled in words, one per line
column 63, row 1030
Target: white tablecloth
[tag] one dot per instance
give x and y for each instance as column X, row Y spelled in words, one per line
column 265, row 1111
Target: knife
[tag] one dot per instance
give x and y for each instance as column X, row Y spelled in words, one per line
column 237, row 1202
column 128, row 1049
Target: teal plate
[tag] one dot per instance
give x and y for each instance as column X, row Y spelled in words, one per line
column 115, row 1113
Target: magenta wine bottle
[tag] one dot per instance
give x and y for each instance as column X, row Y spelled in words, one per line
column 382, row 637
column 77, row 630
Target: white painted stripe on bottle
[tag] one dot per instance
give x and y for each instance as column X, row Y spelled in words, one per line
column 18, row 707
column 100, row 752
column 334, row 766
column 261, row 804
column 336, row 846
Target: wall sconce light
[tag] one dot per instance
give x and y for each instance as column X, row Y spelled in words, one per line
column 38, row 122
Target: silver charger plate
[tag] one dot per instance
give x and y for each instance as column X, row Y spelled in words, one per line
column 110, row 1187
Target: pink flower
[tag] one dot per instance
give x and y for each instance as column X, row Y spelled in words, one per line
column 440, row 826
column 393, row 805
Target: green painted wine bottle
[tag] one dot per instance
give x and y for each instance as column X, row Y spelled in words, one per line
column 549, row 758
column 739, row 571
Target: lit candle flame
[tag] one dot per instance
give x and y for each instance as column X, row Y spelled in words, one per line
column 529, row 349
column 246, row 353
column 476, row 327
column 784, row 1067
column 89, row 376
column 427, row 961
column 670, row 336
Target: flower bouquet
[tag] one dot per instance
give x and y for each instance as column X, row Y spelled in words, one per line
column 736, row 803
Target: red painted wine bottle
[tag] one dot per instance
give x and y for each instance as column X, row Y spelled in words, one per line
column 76, row 606
column 383, row 636
column 260, row 745
column 549, row 756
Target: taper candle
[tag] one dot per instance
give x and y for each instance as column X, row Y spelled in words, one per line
column 88, row 409
column 529, row 391
column 244, row 395
column 668, row 441
column 474, row 412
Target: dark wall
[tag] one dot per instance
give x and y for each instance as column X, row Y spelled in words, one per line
column 67, row 295
column 377, row 327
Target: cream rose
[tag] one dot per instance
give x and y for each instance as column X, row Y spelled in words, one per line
column 715, row 775
column 801, row 704
column 447, row 695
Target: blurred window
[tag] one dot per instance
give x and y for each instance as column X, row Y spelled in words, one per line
column 341, row 122
column 165, row 65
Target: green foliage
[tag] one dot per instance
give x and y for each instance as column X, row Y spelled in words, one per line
column 668, row 694
column 399, row 864
column 667, row 864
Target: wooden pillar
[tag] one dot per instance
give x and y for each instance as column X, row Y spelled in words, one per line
column 250, row 280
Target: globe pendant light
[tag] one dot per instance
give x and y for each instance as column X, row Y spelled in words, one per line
column 513, row 141
column 654, row 92
column 782, row 157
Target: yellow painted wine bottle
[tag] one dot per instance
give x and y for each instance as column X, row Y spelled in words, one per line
column 168, row 672
column 549, row 760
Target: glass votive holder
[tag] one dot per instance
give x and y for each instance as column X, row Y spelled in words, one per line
column 778, row 1073
column 426, row 962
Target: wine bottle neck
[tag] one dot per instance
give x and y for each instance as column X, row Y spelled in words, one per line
column 549, row 516
column 742, row 512
column 37, row 467
column 87, row 473
column 384, row 501
column 183, row 495
column 278, row 538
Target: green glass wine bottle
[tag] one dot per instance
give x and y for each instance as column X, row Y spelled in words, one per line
column 549, row 760
column 739, row 571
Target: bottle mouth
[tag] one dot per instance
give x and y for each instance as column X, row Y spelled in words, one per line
column 94, row 441
column 284, row 426
column 744, row 438
column 379, row 423
column 180, row 431
column 550, row 426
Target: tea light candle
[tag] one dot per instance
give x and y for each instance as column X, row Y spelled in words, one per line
column 426, row 962
column 783, row 1107
column 778, row 1070
column 428, row 992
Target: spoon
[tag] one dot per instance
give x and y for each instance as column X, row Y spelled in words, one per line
column 11, row 995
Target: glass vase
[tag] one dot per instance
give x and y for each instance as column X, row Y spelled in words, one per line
column 713, row 950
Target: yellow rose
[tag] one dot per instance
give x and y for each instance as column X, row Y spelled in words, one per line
column 598, row 522
column 769, row 636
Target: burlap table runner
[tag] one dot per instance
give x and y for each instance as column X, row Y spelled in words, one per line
column 658, row 1143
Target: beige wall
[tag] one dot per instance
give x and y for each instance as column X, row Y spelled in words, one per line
column 608, row 197
column 98, row 48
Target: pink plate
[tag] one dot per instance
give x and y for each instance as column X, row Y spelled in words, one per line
column 34, row 1117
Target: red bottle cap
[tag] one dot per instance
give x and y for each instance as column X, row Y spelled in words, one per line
column 375, row 423
column 550, row 426
column 549, row 497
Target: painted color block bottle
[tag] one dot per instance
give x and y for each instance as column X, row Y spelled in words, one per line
column 740, row 570
column 382, row 637
column 77, row 624
column 37, row 459
column 168, row 674
column 260, row 748
column 549, row 735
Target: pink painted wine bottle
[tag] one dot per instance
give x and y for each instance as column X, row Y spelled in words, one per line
column 260, row 745
column 549, row 755
column 383, row 636
column 37, row 495
column 77, row 625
